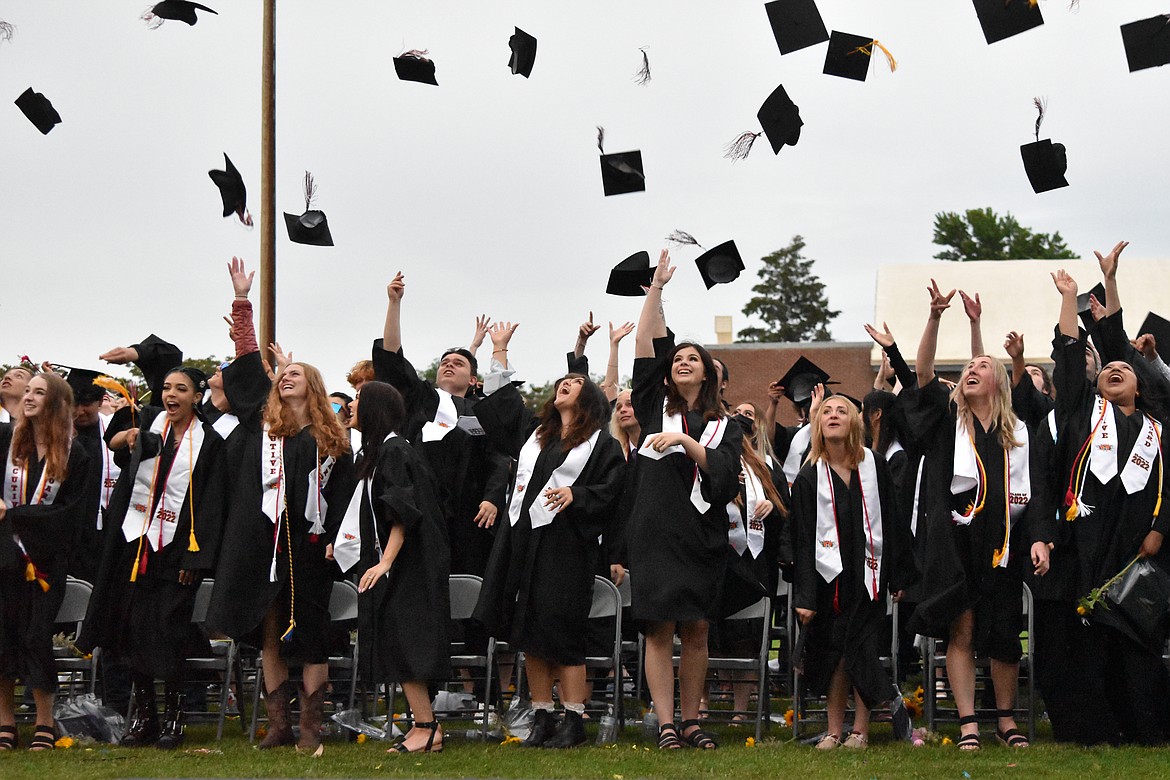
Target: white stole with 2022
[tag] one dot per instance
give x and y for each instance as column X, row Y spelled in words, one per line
column 966, row 477
column 745, row 531
column 347, row 548
column 711, row 438
column 1103, row 452
column 159, row 528
column 564, row 475
column 828, row 549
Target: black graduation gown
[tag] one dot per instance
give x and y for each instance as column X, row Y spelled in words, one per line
column 749, row 579
column 957, row 571
column 677, row 554
column 244, row 591
column 403, row 619
column 27, row 612
column 539, row 582
column 853, row 629
column 467, row 469
column 88, row 545
column 148, row 620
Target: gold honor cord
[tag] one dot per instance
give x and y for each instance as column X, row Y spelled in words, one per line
column 149, row 508
column 292, row 589
column 998, row 556
column 192, row 545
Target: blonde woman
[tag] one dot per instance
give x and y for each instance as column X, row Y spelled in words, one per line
column 851, row 551
column 984, row 500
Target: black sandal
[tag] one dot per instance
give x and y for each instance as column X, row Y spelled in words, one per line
column 44, row 738
column 1012, row 737
column 968, row 742
column 668, row 738
column 430, row 747
column 698, row 738
column 8, row 738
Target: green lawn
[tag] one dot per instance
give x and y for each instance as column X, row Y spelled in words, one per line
column 777, row 757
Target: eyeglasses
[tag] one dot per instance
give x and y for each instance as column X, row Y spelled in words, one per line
column 336, row 407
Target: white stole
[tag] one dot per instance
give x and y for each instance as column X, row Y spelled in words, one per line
column 15, row 479
column 564, row 475
column 5, row 417
column 446, row 418
column 711, row 438
column 796, row 447
column 226, row 423
column 110, row 471
column 347, row 548
column 966, row 477
column 159, row 527
column 828, row 541
column 272, row 476
column 1103, row 453
column 745, row 531
column 316, row 506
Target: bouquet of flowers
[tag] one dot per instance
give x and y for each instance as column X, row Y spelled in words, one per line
column 1086, row 604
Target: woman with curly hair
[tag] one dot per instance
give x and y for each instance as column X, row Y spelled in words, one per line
column 276, row 570
column 42, row 504
column 538, row 587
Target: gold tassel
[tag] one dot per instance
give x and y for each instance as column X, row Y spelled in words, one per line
column 889, row 57
column 192, row 544
column 1071, row 514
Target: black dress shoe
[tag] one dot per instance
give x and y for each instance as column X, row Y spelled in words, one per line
column 544, row 726
column 570, row 733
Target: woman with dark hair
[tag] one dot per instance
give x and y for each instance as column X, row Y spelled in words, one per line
column 539, row 581
column 168, row 503
column 850, row 552
column 42, row 505
column 395, row 531
column 688, row 471
column 276, row 571
column 1110, row 453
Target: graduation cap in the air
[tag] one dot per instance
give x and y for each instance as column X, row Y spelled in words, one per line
column 1159, row 328
column 799, row 380
column 523, row 57
column 1044, row 161
column 179, row 10
column 414, row 66
column 1004, row 18
column 39, row 110
column 631, row 275
column 849, row 56
column 1084, row 310
column 719, row 265
column 81, row 381
column 1147, row 42
column 621, row 172
column 780, row 119
column 796, row 24
column 312, row 227
column 232, row 191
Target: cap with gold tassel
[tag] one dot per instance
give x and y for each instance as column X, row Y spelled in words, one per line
column 849, row 56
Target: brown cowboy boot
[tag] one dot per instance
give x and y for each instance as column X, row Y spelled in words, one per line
column 311, row 706
column 279, row 726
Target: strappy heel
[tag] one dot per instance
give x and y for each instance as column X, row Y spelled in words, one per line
column 44, row 738
column 430, row 747
column 968, row 742
column 668, row 737
column 8, row 738
column 698, row 738
column 1012, row 737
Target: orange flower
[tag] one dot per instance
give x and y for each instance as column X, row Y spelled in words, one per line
column 788, row 717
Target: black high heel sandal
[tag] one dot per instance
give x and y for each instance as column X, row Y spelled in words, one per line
column 1012, row 737
column 8, row 738
column 44, row 738
column 969, row 742
column 697, row 738
column 430, row 747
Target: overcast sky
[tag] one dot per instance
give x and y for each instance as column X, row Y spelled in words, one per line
column 486, row 190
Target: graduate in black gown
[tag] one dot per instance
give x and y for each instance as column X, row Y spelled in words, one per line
column 983, row 502
column 394, row 533
column 1110, row 453
column 286, row 502
column 688, row 471
column 89, row 430
column 166, row 518
column 41, row 508
column 539, row 582
column 851, row 551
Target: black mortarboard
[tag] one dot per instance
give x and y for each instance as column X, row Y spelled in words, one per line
column 311, row 228
column 798, row 382
column 720, row 265
column 179, row 10
column 630, row 275
column 414, row 66
column 81, row 381
column 1004, row 18
column 523, row 57
column 1098, row 292
column 780, row 118
column 156, row 359
column 1159, row 328
column 848, row 56
column 850, row 399
column 622, row 172
column 232, row 190
column 39, row 110
column 1045, row 163
column 796, row 24
column 1147, row 42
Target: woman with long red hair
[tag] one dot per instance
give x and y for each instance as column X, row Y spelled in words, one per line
column 42, row 504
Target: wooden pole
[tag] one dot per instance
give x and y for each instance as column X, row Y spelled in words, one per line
column 268, row 182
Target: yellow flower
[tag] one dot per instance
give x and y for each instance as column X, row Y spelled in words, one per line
column 947, row 741
column 511, row 741
column 64, row 742
column 788, row 716
column 361, row 739
column 749, row 742
column 1082, row 611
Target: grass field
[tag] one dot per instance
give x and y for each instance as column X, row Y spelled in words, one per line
column 775, row 757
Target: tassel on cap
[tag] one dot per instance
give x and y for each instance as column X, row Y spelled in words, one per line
column 642, row 77
column 310, row 189
column 682, row 238
column 741, row 147
column 288, row 633
column 6, row 31
column 1041, row 105
column 601, row 139
column 192, row 543
column 867, row 50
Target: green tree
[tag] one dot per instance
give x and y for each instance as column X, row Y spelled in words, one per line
column 790, row 299
column 981, row 234
column 207, row 365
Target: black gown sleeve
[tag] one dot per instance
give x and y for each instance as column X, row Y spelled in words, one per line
column 47, row 530
column 506, row 420
column 577, row 365
column 395, row 500
column 155, row 358
column 246, row 386
column 647, row 390
column 598, row 498
column 395, row 370
column 906, row 376
column 927, row 411
column 1029, row 404
column 804, row 516
column 499, row 474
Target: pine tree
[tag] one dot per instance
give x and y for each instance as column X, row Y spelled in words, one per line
column 981, row 234
column 790, row 299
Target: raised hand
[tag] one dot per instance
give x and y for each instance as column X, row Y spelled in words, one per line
column 241, row 279
column 775, row 392
column 1147, row 345
column 620, row 332
column 587, row 329
column 397, row 287
column 1108, row 262
column 119, row 356
column 1065, row 284
column 279, row 358
column 663, row 271
column 972, row 306
column 1013, row 344
column 1096, row 308
column 818, row 397
column 885, row 339
column 938, row 302
column 482, row 323
column 501, row 334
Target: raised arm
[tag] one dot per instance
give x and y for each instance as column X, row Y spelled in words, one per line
column 482, row 323
column 1108, row 265
column 243, row 328
column 610, row 385
column 586, row 330
column 974, row 309
column 1067, row 287
column 392, row 330
column 501, row 335
column 652, row 323
column 1013, row 344
column 928, row 346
